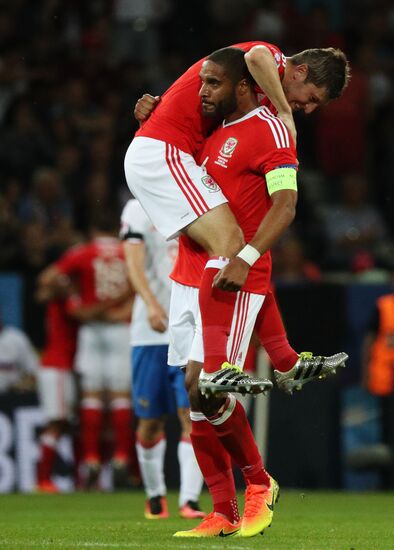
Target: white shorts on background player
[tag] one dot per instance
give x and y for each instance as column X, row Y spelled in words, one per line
column 172, row 189
column 185, row 329
column 102, row 357
column 57, row 393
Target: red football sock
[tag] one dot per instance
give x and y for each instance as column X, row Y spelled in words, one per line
column 215, row 465
column 273, row 337
column 217, row 309
column 235, row 433
column 121, row 424
column 91, row 417
column 45, row 465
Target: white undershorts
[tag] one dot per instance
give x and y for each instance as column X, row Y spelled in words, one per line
column 103, row 357
column 185, row 330
column 184, row 315
column 172, row 189
column 57, row 393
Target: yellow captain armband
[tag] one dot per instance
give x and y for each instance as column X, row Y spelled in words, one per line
column 280, row 179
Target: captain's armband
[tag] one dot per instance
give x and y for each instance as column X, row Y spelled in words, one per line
column 280, row 179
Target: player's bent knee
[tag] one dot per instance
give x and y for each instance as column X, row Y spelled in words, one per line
column 150, row 429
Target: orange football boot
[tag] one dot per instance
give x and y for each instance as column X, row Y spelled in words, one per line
column 259, row 508
column 213, row 525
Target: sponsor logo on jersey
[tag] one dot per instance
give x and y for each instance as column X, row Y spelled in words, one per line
column 210, row 184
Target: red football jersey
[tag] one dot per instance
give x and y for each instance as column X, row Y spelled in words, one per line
column 178, row 118
column 190, row 262
column 98, row 268
column 61, row 336
column 237, row 156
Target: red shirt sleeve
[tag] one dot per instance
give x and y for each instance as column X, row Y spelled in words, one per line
column 278, row 148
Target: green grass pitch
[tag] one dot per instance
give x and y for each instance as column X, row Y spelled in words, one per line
column 302, row 521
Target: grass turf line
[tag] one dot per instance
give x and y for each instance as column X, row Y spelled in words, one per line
column 302, row 521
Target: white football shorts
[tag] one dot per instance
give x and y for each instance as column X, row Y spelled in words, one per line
column 57, row 393
column 103, row 357
column 183, row 317
column 185, row 330
column 172, row 189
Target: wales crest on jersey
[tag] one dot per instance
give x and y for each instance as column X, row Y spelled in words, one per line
column 228, row 147
column 210, row 183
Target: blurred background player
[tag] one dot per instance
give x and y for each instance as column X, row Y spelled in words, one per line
column 18, row 360
column 378, row 348
column 98, row 270
column 56, row 383
column 378, row 374
column 157, row 388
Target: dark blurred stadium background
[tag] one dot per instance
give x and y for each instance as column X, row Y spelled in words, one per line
column 70, row 75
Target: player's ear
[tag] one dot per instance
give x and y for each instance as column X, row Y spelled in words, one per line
column 301, row 72
column 243, row 86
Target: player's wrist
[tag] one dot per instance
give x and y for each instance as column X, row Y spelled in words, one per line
column 249, row 254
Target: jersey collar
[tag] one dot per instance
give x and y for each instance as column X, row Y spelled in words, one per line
column 245, row 117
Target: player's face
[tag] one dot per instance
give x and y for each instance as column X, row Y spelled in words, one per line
column 301, row 95
column 217, row 92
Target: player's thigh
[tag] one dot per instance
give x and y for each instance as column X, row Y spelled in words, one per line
column 247, row 307
column 89, row 362
column 182, row 319
column 56, row 393
column 117, row 376
column 151, row 384
column 217, row 232
column 173, row 190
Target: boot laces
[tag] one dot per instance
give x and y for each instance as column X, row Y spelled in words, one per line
column 254, row 500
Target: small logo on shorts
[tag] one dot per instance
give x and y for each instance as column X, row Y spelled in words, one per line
column 228, row 147
column 143, row 402
column 210, row 184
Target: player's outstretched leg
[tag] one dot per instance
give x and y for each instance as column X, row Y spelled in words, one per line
column 231, row 378
column 259, row 508
column 309, row 367
column 214, row 525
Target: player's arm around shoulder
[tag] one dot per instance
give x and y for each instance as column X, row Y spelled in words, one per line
column 262, row 66
column 258, row 56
